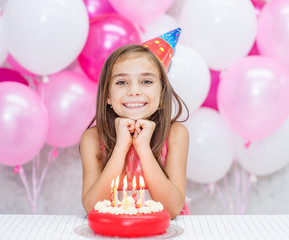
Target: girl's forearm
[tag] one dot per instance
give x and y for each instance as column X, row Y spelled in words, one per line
column 160, row 187
column 100, row 190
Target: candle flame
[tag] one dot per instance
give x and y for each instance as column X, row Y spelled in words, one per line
column 125, row 182
column 117, row 181
column 134, row 183
column 112, row 183
column 141, row 182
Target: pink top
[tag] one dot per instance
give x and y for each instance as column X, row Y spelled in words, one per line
column 133, row 168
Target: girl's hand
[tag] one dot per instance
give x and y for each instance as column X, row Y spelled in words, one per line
column 143, row 132
column 124, row 128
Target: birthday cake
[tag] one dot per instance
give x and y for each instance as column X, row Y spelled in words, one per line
column 128, row 219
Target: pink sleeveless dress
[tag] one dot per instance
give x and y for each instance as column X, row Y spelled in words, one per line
column 133, row 168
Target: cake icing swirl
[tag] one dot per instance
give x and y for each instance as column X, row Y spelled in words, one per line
column 128, row 208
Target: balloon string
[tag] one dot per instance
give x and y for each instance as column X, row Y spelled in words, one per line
column 37, row 161
column 228, row 196
column 242, row 190
column 237, row 183
column 243, row 182
column 36, row 186
column 50, row 159
column 23, row 178
column 246, row 187
column 225, row 201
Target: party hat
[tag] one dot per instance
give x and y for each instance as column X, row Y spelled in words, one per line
column 164, row 46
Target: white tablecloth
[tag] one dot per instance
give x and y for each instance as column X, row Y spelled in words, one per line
column 259, row 227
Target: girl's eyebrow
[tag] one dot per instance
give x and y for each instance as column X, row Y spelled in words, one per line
column 149, row 74
column 119, row 75
column 145, row 74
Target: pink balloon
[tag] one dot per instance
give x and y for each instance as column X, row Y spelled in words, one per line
column 107, row 32
column 23, row 123
column 70, row 100
column 253, row 97
column 17, row 67
column 139, row 11
column 273, row 31
column 97, row 7
column 211, row 100
column 7, row 74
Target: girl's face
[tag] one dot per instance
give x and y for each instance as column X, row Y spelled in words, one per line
column 135, row 88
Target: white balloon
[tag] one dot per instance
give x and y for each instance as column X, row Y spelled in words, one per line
column 211, row 148
column 222, row 31
column 3, row 43
column 45, row 36
column 190, row 76
column 161, row 25
column 266, row 156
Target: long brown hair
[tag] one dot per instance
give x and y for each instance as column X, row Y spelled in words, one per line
column 105, row 115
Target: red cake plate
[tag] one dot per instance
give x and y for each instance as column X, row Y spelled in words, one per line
column 124, row 225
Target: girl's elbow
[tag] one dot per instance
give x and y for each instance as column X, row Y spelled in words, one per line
column 85, row 205
column 173, row 215
column 174, row 212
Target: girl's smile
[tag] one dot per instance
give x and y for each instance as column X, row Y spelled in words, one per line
column 135, row 88
column 134, row 104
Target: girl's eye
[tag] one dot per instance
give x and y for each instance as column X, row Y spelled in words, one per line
column 121, row 82
column 147, row 82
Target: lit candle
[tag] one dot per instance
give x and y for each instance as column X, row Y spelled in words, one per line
column 112, row 200
column 142, row 193
column 134, row 191
column 124, row 201
column 115, row 191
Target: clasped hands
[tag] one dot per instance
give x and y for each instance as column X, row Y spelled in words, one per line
column 136, row 132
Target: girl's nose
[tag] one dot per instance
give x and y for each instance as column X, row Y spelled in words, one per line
column 134, row 89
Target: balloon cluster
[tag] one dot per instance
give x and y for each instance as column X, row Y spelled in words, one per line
column 244, row 115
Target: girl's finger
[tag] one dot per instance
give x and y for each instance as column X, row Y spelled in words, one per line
column 131, row 125
column 138, row 127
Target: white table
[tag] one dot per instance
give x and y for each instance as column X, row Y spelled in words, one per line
column 259, row 227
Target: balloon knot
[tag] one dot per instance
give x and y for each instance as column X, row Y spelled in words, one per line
column 17, row 169
column 54, row 152
column 247, row 144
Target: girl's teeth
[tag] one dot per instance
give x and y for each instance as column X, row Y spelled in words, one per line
column 134, row 105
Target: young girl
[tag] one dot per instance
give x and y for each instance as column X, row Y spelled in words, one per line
column 134, row 133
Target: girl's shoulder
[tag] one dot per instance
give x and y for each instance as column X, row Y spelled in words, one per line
column 178, row 129
column 178, row 134
column 90, row 137
column 90, row 132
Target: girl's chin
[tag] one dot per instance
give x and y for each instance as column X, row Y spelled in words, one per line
column 134, row 117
